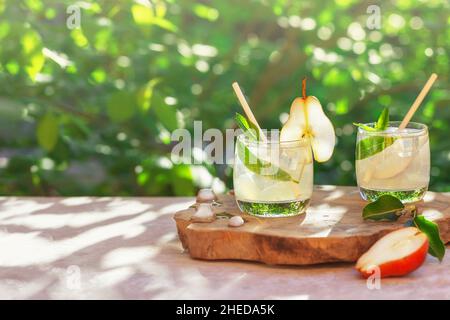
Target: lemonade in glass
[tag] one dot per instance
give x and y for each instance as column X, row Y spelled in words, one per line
column 273, row 175
column 393, row 161
column 273, row 178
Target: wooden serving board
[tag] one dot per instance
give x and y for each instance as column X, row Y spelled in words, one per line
column 331, row 230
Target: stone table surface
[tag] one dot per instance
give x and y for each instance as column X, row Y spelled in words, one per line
column 128, row 248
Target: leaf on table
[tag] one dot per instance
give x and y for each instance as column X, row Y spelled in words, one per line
column 386, row 207
column 436, row 245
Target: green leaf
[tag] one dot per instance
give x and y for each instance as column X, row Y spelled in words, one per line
column 182, row 181
column 167, row 115
column 259, row 166
column 431, row 229
column 371, row 145
column 32, row 49
column 247, row 127
column 386, row 207
column 383, row 120
column 47, row 131
column 31, row 42
column 165, row 24
column 143, row 15
column 146, row 93
column 35, row 65
column 364, row 127
column 206, row 12
column 250, row 160
column 121, row 106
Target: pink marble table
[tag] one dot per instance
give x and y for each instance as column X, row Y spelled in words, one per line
column 127, row 248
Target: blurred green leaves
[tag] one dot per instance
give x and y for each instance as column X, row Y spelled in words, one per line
column 183, row 177
column 146, row 15
column 206, row 12
column 146, row 94
column 32, row 49
column 121, row 106
column 167, row 115
column 47, row 131
column 101, row 100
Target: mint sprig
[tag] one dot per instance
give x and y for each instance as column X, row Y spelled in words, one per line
column 372, row 145
column 252, row 161
column 390, row 208
column 247, row 127
column 380, row 125
column 383, row 120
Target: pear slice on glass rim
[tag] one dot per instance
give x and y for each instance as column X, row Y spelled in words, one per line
column 307, row 120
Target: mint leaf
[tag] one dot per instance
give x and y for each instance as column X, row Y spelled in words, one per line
column 249, row 129
column 370, row 146
column 250, row 160
column 383, row 120
column 380, row 125
column 386, row 207
column 261, row 167
column 364, row 127
column 436, row 245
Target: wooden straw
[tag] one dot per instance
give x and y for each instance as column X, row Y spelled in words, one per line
column 247, row 110
column 418, row 101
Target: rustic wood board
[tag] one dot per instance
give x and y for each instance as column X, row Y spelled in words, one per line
column 332, row 230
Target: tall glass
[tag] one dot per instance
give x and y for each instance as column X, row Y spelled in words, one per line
column 272, row 178
column 393, row 161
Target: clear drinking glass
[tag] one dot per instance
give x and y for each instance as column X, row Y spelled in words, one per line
column 393, row 161
column 272, row 178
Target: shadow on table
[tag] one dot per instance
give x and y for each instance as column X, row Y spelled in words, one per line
column 127, row 248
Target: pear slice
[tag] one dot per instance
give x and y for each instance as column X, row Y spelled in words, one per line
column 307, row 120
column 392, row 161
column 396, row 254
column 387, row 163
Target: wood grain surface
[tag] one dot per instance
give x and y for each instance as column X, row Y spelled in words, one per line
column 331, row 230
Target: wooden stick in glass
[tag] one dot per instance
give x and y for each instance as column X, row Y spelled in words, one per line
column 247, row 110
column 418, row 101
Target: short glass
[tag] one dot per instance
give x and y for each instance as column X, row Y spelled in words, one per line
column 272, row 178
column 394, row 162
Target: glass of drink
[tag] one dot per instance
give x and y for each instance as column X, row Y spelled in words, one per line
column 272, row 178
column 393, row 161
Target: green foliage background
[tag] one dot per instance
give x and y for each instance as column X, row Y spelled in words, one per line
column 90, row 110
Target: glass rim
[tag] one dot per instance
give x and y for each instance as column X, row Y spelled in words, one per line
column 302, row 142
column 422, row 129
